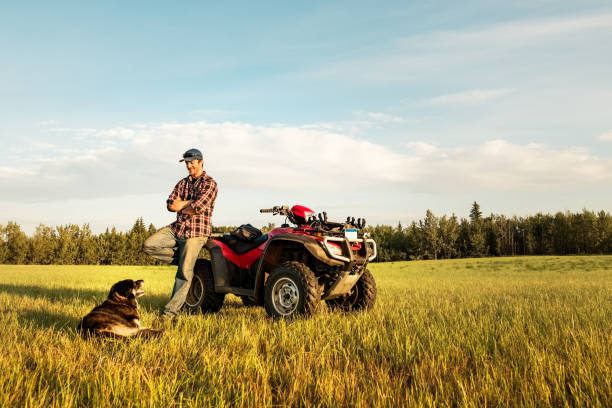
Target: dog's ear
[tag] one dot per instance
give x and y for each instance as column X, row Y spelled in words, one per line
column 120, row 290
column 113, row 290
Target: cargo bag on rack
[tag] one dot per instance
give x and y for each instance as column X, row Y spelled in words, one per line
column 246, row 232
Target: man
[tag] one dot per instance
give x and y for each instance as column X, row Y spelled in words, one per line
column 193, row 200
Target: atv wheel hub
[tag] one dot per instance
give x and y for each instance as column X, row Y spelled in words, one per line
column 196, row 292
column 285, row 296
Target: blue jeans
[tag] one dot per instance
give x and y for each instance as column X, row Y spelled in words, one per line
column 165, row 246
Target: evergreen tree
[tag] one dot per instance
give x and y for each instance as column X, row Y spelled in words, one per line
column 105, row 248
column 477, row 245
column 118, row 247
column 151, row 230
column 475, row 213
column 134, row 240
column 267, row 228
column 493, row 241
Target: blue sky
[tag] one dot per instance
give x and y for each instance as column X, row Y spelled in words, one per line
column 378, row 111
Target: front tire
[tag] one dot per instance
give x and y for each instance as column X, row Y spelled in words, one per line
column 361, row 297
column 292, row 289
column 202, row 296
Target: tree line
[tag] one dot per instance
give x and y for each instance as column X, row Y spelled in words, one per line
column 433, row 237
column 445, row 237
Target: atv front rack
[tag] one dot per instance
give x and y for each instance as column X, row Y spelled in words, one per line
column 322, row 221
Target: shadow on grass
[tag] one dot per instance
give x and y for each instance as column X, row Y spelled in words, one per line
column 71, row 295
column 55, row 294
column 87, row 297
column 45, row 320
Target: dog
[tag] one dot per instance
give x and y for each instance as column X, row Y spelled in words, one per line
column 118, row 316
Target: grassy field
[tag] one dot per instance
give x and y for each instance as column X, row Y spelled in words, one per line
column 532, row 331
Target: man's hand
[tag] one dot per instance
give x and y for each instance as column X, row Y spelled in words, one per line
column 178, row 205
column 188, row 209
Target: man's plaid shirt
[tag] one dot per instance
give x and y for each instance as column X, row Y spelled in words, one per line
column 202, row 191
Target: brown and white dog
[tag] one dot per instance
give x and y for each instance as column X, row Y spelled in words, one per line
column 118, row 316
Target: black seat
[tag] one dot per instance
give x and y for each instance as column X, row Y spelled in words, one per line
column 239, row 246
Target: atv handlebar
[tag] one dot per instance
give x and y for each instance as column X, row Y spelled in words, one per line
column 321, row 222
column 277, row 209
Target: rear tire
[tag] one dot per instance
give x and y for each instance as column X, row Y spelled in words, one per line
column 202, row 296
column 361, row 297
column 292, row 289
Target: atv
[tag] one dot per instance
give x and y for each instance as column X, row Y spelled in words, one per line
column 290, row 269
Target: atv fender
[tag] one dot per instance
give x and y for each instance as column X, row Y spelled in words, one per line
column 272, row 255
column 219, row 266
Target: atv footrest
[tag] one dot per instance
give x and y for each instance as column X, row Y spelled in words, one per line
column 235, row 291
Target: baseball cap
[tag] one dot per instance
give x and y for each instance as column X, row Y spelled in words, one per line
column 191, row 155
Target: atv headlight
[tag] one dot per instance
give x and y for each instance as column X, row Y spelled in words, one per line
column 335, row 250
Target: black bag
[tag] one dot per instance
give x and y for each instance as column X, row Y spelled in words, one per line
column 246, row 232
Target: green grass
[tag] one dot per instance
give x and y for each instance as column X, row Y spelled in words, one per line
column 528, row 331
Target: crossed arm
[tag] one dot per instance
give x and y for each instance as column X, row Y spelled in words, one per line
column 175, row 204
column 192, row 207
column 183, row 206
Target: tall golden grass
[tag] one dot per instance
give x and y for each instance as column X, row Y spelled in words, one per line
column 529, row 331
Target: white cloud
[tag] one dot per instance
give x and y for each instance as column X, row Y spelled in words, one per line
column 77, row 131
column 384, row 117
column 500, row 165
column 422, row 148
column 48, row 123
column 120, row 133
column 471, row 97
column 14, row 173
column 606, row 136
column 245, row 157
column 516, row 33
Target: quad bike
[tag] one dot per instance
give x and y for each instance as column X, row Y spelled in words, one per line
column 289, row 270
